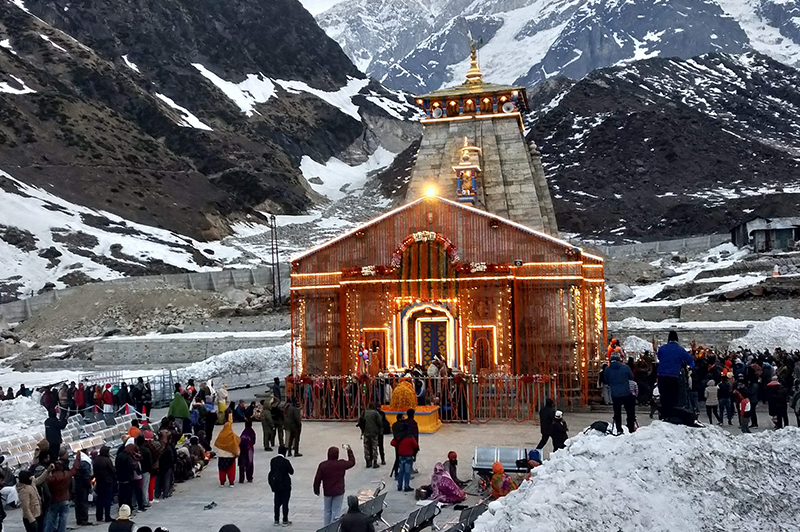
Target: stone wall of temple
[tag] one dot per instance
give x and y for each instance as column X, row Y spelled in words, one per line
column 512, row 183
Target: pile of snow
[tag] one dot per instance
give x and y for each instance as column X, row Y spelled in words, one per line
column 633, row 345
column 254, row 364
column 662, row 478
column 21, row 414
column 633, row 323
column 782, row 331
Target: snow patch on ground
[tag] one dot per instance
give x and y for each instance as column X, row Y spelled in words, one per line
column 130, row 64
column 341, row 99
column 638, row 323
column 21, row 414
column 725, row 255
column 56, row 46
column 340, row 179
column 6, row 43
column 188, row 119
column 36, row 379
column 782, row 331
column 39, row 212
column 8, row 89
column 662, row 478
column 227, row 367
column 253, row 90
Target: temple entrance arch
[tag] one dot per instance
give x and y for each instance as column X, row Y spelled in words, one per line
column 427, row 330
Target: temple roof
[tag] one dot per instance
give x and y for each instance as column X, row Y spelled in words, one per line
column 469, row 88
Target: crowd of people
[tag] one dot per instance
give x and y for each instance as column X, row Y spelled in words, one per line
column 677, row 382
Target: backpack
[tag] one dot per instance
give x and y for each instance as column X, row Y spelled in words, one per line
column 600, row 426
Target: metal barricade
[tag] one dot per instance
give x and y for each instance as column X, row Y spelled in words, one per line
column 461, row 398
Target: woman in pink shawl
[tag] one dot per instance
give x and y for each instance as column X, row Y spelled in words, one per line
column 444, row 487
column 247, row 445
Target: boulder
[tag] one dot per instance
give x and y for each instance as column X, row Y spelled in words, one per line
column 666, row 273
column 621, row 292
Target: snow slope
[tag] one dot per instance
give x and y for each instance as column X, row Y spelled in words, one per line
column 54, row 222
column 662, row 478
column 338, row 178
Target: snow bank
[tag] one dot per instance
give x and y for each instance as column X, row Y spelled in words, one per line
column 21, row 414
column 254, row 365
column 633, row 345
column 782, row 331
column 663, row 478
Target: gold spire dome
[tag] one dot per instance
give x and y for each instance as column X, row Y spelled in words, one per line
column 474, row 74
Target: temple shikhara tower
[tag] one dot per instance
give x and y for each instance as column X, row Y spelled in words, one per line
column 468, row 275
column 484, row 122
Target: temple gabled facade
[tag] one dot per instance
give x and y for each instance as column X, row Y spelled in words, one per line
column 437, row 277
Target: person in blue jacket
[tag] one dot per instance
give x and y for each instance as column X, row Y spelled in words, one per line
column 671, row 357
column 618, row 377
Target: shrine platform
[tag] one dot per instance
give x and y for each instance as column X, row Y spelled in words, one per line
column 427, row 417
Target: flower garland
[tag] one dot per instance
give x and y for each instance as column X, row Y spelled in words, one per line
column 425, row 236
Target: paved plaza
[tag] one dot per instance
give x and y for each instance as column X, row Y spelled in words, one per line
column 250, row 507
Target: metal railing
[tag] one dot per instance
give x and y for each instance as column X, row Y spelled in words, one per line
column 463, row 398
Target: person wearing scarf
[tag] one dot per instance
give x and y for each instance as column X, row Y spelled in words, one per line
column 228, row 449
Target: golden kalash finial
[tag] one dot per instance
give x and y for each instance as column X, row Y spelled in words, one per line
column 474, row 74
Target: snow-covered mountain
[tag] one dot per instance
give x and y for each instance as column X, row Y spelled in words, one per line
column 663, row 148
column 421, row 45
column 152, row 127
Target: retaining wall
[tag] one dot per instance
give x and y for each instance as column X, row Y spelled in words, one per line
column 662, row 246
column 267, row 322
column 647, row 313
column 751, row 309
column 719, row 338
column 167, row 350
column 211, row 281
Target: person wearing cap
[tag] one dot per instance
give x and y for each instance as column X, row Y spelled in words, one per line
column 354, row 520
column 618, row 377
column 559, row 431
column 671, row 357
column 123, row 521
column 451, row 466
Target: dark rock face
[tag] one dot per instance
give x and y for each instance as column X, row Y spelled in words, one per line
column 94, row 133
column 603, row 33
column 668, row 148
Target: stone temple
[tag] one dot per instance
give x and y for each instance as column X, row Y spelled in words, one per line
column 473, row 151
